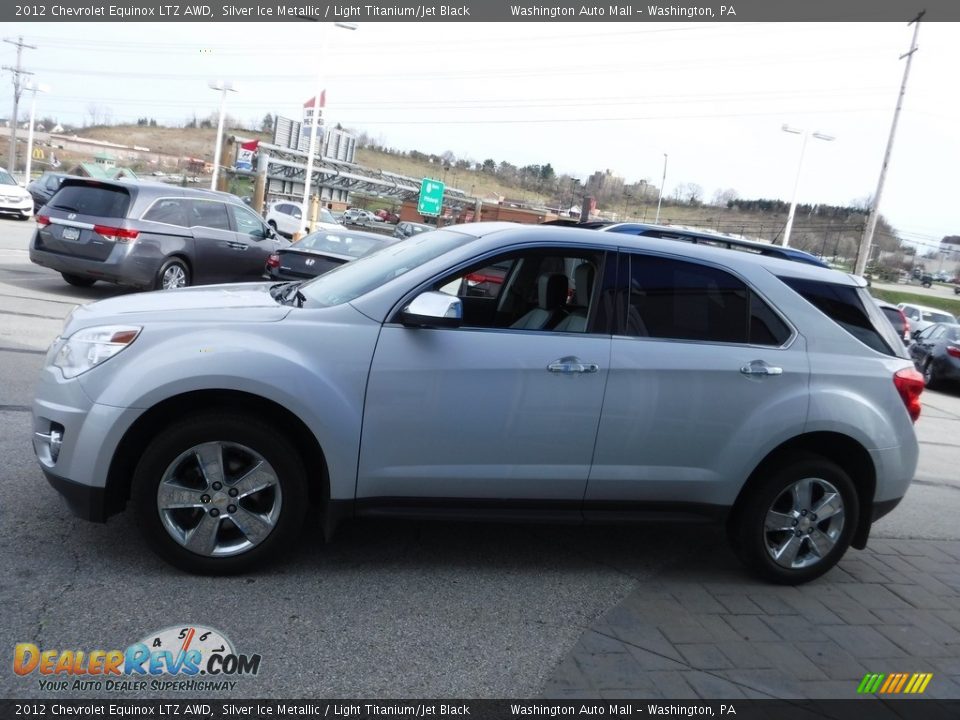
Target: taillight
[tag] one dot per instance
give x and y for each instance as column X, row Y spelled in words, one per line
column 42, row 220
column 909, row 384
column 953, row 351
column 273, row 261
column 906, row 326
column 120, row 235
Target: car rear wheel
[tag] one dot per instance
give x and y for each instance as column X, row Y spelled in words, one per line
column 173, row 274
column 219, row 493
column 797, row 523
column 78, row 280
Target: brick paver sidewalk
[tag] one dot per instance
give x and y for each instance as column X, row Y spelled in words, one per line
column 713, row 632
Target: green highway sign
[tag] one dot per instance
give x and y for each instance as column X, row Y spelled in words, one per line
column 431, row 197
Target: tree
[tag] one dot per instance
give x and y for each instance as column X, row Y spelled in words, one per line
column 724, row 197
column 546, row 173
column 489, row 165
column 267, row 124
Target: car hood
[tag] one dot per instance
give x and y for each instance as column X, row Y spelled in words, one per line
column 240, row 302
column 14, row 191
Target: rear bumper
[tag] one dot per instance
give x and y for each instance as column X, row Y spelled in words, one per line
column 134, row 274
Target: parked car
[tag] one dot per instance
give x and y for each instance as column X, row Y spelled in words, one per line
column 772, row 396
column 149, row 235
column 356, row 216
column 408, row 229
column 322, row 251
column 387, row 216
column 699, row 237
column 921, row 316
column 896, row 317
column 936, row 352
column 43, row 188
column 14, row 200
column 926, row 280
column 286, row 218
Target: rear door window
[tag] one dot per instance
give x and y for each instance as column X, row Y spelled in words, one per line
column 168, row 210
column 210, row 214
column 675, row 299
column 103, row 201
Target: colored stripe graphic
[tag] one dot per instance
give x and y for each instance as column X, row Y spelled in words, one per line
column 895, row 683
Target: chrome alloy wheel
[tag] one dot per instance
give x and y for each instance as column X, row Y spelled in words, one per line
column 219, row 499
column 173, row 277
column 804, row 523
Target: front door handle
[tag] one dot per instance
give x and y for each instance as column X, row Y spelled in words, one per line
column 759, row 367
column 571, row 365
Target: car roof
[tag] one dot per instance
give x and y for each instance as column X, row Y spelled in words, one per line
column 722, row 256
column 154, row 189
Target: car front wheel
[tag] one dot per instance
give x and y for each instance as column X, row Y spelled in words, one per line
column 797, row 524
column 930, row 374
column 219, row 493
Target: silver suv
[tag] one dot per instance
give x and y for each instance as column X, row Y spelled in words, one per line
column 601, row 377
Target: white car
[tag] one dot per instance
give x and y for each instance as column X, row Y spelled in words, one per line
column 13, row 198
column 286, row 218
column 356, row 216
column 920, row 317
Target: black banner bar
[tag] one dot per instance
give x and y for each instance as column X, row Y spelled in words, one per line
column 868, row 707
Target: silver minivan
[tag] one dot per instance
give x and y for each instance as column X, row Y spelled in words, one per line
column 149, row 235
column 599, row 377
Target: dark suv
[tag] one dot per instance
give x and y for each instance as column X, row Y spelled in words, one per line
column 149, row 235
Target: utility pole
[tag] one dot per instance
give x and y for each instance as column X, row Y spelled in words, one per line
column 17, row 89
column 864, row 253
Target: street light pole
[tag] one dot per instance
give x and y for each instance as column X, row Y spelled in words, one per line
column 796, row 181
column 34, row 89
column 662, row 183
column 224, row 86
column 315, row 130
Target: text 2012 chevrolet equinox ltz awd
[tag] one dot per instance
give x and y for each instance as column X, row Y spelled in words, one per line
column 601, row 377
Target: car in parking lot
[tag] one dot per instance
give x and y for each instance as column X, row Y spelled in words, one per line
column 286, row 218
column 407, row 229
column 936, row 353
column 676, row 381
column 43, row 188
column 921, row 317
column 14, row 200
column 387, row 216
column 149, row 235
column 896, row 317
column 356, row 216
column 321, row 251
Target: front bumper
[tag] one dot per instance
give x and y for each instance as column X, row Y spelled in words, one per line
column 20, row 206
column 88, row 433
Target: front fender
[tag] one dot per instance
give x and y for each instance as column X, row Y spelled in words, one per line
column 317, row 372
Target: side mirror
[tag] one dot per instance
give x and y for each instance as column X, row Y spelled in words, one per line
column 269, row 232
column 433, row 309
column 915, row 334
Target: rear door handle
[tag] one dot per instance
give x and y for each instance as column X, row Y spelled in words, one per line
column 571, row 365
column 759, row 367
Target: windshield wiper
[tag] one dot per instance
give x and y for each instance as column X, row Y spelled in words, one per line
column 289, row 293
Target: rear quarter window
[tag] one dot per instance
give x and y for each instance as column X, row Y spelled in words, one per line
column 95, row 200
column 849, row 309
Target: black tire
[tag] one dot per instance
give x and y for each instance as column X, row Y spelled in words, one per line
column 77, row 280
column 754, row 544
column 174, row 267
column 930, row 378
column 221, row 427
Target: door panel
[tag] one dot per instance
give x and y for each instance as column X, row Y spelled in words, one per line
column 470, row 413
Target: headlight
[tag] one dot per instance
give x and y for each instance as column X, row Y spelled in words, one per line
column 90, row 347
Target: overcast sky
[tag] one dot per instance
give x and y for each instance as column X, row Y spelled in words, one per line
column 584, row 97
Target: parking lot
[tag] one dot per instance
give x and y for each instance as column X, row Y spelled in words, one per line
column 446, row 610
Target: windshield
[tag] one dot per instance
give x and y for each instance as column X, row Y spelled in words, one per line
column 939, row 317
column 327, row 217
column 6, row 178
column 352, row 280
column 339, row 243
